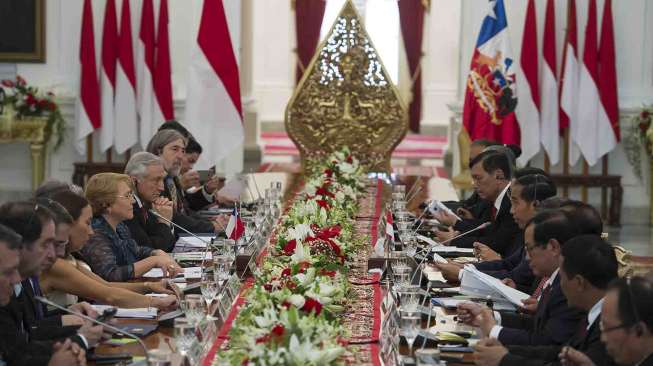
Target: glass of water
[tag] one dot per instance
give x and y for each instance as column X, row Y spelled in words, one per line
column 221, row 266
column 402, row 275
column 159, row 357
column 194, row 308
column 184, row 334
column 410, row 326
column 209, row 288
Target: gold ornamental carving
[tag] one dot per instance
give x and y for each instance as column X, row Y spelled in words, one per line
column 346, row 99
column 31, row 130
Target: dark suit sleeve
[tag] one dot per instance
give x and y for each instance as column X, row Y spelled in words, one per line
column 192, row 224
column 152, row 233
column 196, row 200
column 14, row 346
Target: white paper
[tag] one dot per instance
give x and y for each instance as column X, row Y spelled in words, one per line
column 447, row 249
column 189, row 273
column 193, row 242
column 135, row 313
column 433, row 274
column 436, row 206
column 193, row 256
column 427, row 240
column 493, row 284
column 452, row 302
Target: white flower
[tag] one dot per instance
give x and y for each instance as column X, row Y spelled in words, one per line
column 297, row 300
column 340, row 196
column 301, row 254
column 300, row 232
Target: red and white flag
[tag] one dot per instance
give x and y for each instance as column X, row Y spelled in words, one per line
column 144, row 67
column 608, row 70
column 163, row 110
column 126, row 126
column 528, row 91
column 213, row 107
column 235, row 227
column 549, row 107
column 108, row 74
column 88, row 116
column 569, row 84
column 597, row 137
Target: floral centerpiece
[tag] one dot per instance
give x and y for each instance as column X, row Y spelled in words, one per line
column 639, row 133
column 291, row 315
column 24, row 101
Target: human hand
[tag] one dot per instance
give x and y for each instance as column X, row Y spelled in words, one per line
column 190, row 179
column 92, row 333
column 468, row 313
column 529, row 305
column 169, row 267
column 67, row 353
column 450, row 271
column 84, row 308
column 165, row 303
column 509, row 282
column 571, row 357
column 160, row 287
column 220, row 222
column 464, row 213
column 444, row 235
column 445, row 217
column 489, row 352
column 164, row 207
column 213, row 184
column 485, row 253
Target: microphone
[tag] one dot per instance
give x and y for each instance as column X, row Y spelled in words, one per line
column 430, row 247
column 415, row 193
column 94, row 321
column 256, row 186
column 208, row 244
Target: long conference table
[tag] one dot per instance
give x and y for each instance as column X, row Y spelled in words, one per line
column 363, row 315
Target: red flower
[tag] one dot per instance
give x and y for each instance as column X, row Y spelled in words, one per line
column 289, row 248
column 278, row 330
column 8, row 83
column 350, row 159
column 312, row 305
column 285, row 272
column 267, row 287
column 303, row 266
column 30, row 100
column 324, row 272
column 20, row 80
column 644, row 115
column 322, row 191
column 324, row 204
column 328, row 172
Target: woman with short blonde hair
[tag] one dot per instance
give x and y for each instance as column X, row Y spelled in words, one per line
column 111, row 252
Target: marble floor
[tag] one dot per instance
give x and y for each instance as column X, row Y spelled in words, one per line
column 636, row 238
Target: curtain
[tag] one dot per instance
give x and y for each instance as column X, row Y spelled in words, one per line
column 308, row 20
column 411, row 18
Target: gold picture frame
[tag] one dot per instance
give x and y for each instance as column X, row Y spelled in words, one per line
column 22, row 31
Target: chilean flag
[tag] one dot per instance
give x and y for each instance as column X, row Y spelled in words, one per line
column 235, row 227
column 490, row 97
column 213, row 106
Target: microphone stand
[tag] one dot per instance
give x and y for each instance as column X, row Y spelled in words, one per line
column 419, row 265
column 94, row 321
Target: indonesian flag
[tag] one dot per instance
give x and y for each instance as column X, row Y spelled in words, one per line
column 550, row 110
column 235, row 227
column 608, row 70
column 597, row 137
column 490, row 97
column 389, row 229
column 144, row 67
column 126, row 127
column 88, row 115
column 528, row 91
column 569, row 87
column 163, row 110
column 108, row 73
column 213, row 108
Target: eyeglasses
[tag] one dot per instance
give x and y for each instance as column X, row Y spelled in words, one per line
column 129, row 196
column 610, row 329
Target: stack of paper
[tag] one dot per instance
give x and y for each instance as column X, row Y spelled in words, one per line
column 436, row 206
column 135, row 313
column 193, row 242
column 192, row 256
column 477, row 283
column 452, row 302
column 446, row 249
column 189, row 273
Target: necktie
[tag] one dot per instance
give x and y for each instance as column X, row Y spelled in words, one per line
column 494, row 213
column 582, row 328
column 540, row 286
column 545, row 296
column 36, row 287
column 172, row 188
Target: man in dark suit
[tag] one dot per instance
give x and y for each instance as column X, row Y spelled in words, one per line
column 554, row 321
column 491, row 174
column 27, row 335
column 147, row 172
column 588, row 266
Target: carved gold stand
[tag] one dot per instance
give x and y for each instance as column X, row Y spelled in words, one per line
column 346, row 99
column 30, row 130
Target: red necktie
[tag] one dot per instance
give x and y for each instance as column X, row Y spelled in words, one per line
column 539, row 288
column 494, row 213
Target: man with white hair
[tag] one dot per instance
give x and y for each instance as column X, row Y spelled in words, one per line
column 147, row 172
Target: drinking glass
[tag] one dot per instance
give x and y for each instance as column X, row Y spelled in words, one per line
column 158, row 357
column 409, row 297
column 221, row 266
column 410, row 326
column 209, row 288
column 194, row 308
column 184, row 335
column 402, row 275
